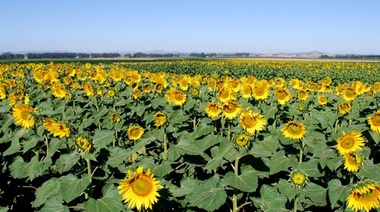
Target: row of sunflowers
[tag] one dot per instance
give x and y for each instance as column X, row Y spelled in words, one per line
column 190, row 136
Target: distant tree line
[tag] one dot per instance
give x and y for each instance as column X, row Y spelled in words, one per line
column 202, row 55
column 351, row 56
column 10, row 56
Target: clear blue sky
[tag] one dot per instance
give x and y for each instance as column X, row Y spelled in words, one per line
column 264, row 26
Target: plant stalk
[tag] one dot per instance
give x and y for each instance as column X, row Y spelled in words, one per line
column 165, row 155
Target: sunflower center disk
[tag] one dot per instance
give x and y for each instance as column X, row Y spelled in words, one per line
column 178, row 97
column 249, row 122
column 294, row 130
column 348, row 143
column 376, row 120
column 142, row 186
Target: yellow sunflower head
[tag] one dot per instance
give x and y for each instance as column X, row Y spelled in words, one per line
column 83, row 143
column 322, row 100
column 252, row 121
column 231, row 109
column 374, row 121
column 160, row 118
column 349, row 94
column 59, row 90
column 302, row 94
column 282, row 95
column 260, row 90
column 298, row 178
column 350, row 142
column 135, row 132
column 23, row 115
column 364, row 196
column 213, row 109
column 146, row 88
column 242, row 140
column 140, row 189
column 226, row 94
column 115, row 117
column 344, row 107
column 294, row 130
column 352, row 161
column 111, row 92
column 246, row 91
column 194, row 92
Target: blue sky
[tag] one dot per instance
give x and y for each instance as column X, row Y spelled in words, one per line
column 335, row 26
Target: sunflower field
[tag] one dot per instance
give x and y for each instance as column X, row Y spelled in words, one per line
column 216, row 135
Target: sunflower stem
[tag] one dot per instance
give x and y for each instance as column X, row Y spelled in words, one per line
column 47, row 147
column 301, row 151
column 194, row 123
column 89, row 194
column 295, row 204
column 165, row 155
column 236, row 170
column 336, row 125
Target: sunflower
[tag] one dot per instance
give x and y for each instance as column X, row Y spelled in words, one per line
column 350, row 142
column 283, row 95
column 111, row 92
column 135, row 132
column 294, row 130
column 140, row 189
column 344, row 107
column 352, row 161
column 160, row 118
column 322, row 100
column 88, row 89
column 242, row 140
column 261, row 90
column 213, row 109
column 246, row 91
column 115, row 117
column 364, row 196
column 146, row 88
column 23, row 115
column 374, row 121
column 302, row 94
column 58, row 90
column 83, row 143
column 136, row 94
column 57, row 128
column 3, row 92
column 231, row 109
column 252, row 122
column 349, row 94
column 226, row 94
column 194, row 92
column 176, row 97
column 298, row 178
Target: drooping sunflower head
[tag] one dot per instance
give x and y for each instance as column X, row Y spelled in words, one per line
column 83, row 143
column 23, row 115
column 60, row 129
column 322, row 100
column 252, row 121
column 298, row 178
column 374, row 121
column 352, row 161
column 364, row 196
column 302, row 94
column 135, row 132
column 160, row 118
column 140, row 189
column 242, row 140
column 294, row 130
column 282, row 95
column 146, row 88
column 213, row 109
column 231, row 109
column 344, row 107
column 350, row 142
column 194, row 92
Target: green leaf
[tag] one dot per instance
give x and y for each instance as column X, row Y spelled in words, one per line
column 72, row 187
column 102, row 138
column 4, row 209
column 105, row 204
column 287, row 189
column 203, row 129
column 53, row 146
column 6, row 121
column 265, row 148
column 316, row 193
column 208, row 198
column 54, row 204
column 19, row 168
column 279, row 162
column 337, row 193
column 311, row 168
column 247, row 181
column 46, row 191
column 37, row 167
column 117, row 156
column 209, row 141
column 66, row 162
column 30, row 142
column 15, row 147
column 183, row 147
column 370, row 170
column 146, row 139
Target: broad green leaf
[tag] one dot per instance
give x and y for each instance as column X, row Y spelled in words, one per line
column 37, row 167
column 370, row 170
column 316, row 193
column 105, row 204
column 209, row 141
column 183, row 147
column 102, row 138
column 4, row 209
column 247, row 181
column 53, row 146
column 19, row 168
column 66, row 162
column 208, row 198
column 118, row 155
column 6, row 121
column 203, row 129
column 279, row 162
column 337, row 193
column 72, row 187
column 287, row 189
column 311, row 168
column 46, row 191
column 54, row 204
column 146, row 139
column 30, row 142
column 265, row 148
column 13, row 148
